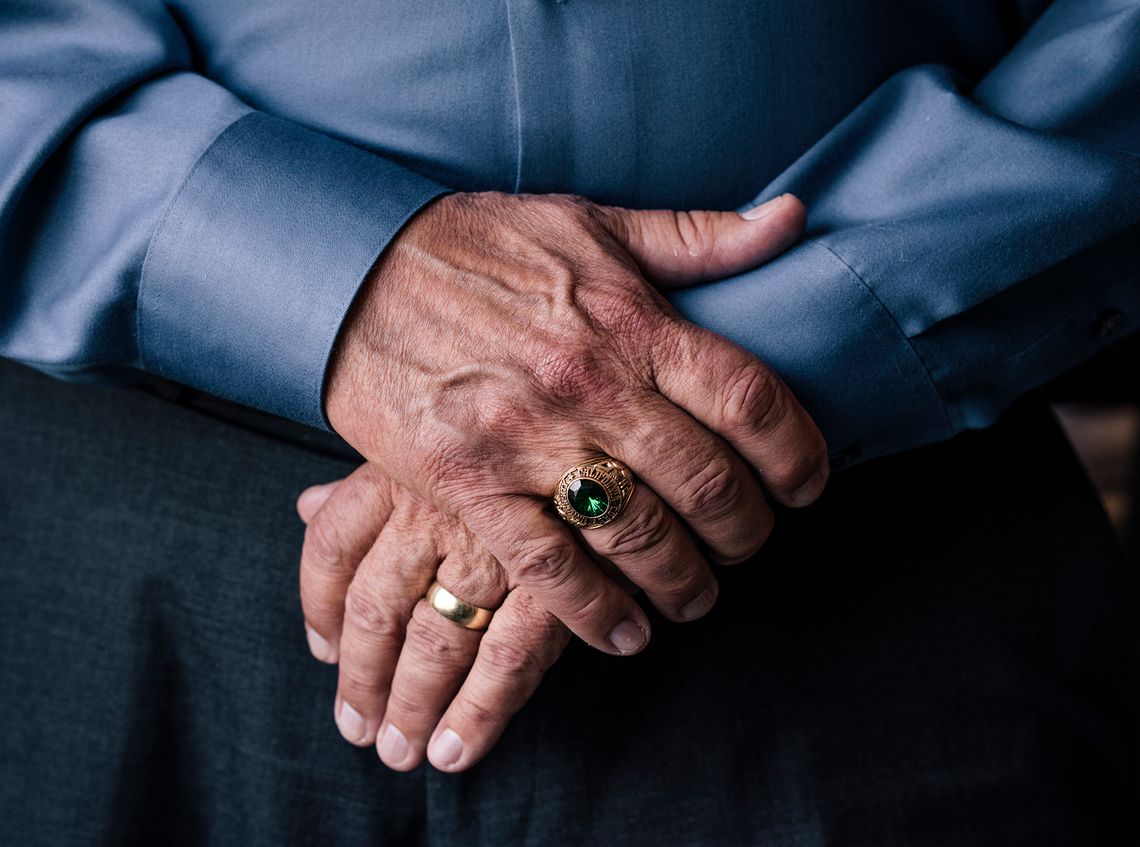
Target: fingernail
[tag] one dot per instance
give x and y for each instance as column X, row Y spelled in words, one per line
column 627, row 637
column 700, row 605
column 320, row 648
column 393, row 746
column 351, row 724
column 810, row 490
column 762, row 211
column 447, row 748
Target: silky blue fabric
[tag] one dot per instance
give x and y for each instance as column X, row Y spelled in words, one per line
column 198, row 188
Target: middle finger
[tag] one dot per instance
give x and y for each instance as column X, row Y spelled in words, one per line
column 395, row 572
column 699, row 474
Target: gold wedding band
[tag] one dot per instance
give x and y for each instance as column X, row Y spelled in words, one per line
column 467, row 615
column 593, row 493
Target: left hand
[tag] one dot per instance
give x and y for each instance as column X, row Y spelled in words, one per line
column 410, row 680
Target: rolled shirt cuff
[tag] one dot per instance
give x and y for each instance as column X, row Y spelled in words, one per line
column 810, row 318
column 252, row 269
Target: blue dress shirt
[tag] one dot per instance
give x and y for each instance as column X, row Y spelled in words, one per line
column 198, row 188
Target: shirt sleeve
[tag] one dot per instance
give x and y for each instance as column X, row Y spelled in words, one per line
column 965, row 243
column 149, row 219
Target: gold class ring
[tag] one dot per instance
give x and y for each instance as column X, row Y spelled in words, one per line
column 593, row 493
column 467, row 615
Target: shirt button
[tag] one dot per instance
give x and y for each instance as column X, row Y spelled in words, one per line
column 1108, row 323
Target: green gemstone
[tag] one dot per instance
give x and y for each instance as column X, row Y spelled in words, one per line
column 587, row 498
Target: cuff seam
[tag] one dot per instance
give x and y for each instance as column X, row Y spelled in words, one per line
column 898, row 327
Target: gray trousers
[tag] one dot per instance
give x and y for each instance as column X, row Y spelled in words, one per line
column 933, row 654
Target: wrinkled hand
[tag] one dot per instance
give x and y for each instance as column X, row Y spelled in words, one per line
column 371, row 550
column 504, row 338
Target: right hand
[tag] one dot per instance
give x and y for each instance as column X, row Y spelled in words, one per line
column 410, row 681
column 503, row 338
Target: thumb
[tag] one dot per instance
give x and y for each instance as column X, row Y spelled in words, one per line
column 675, row 249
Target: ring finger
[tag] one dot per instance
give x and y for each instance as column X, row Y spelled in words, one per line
column 435, row 659
column 699, row 475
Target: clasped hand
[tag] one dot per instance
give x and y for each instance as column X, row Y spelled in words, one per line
column 500, row 340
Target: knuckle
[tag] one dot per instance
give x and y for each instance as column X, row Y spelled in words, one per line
column 593, row 614
column 546, row 563
column 760, row 529
column 754, row 399
column 631, row 315
column 320, row 605
column 474, row 711
column 679, row 577
column 323, row 543
column 500, row 411
column 360, row 685
column 713, row 490
column 432, row 643
column 449, row 468
column 407, row 704
column 644, row 529
column 363, row 613
column 692, row 233
column 570, row 372
column 508, row 660
column 794, row 470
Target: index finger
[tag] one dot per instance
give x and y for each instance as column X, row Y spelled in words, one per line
column 736, row 395
column 337, row 537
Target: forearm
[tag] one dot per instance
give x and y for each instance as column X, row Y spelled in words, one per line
column 151, row 219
